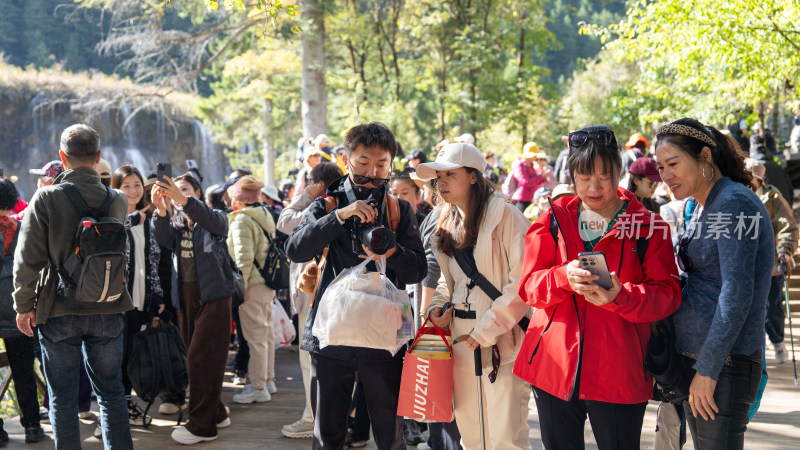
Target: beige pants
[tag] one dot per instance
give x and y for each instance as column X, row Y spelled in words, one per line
column 505, row 405
column 256, row 317
column 305, row 366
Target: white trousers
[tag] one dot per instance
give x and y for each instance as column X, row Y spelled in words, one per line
column 505, row 405
column 305, row 366
column 256, row 317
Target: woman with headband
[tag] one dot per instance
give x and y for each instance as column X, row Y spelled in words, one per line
column 727, row 255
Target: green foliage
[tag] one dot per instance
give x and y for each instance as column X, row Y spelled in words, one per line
column 711, row 57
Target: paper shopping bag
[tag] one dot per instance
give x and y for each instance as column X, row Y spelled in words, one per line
column 426, row 387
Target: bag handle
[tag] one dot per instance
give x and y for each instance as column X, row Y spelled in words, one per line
column 426, row 330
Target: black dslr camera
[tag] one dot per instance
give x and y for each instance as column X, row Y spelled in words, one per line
column 378, row 239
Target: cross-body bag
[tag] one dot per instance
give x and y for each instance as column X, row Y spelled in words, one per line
column 466, row 261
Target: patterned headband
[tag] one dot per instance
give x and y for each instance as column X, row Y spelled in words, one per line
column 685, row 130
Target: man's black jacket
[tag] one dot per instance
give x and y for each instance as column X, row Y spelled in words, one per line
column 319, row 229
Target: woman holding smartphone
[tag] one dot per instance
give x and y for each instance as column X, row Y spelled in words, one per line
column 585, row 347
column 476, row 221
column 727, row 253
column 196, row 235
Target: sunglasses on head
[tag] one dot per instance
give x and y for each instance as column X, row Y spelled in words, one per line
column 578, row 139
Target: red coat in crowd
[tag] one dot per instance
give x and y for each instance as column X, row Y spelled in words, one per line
column 614, row 336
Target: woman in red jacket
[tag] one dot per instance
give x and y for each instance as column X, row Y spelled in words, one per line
column 585, row 347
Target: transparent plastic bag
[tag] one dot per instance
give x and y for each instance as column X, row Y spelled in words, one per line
column 282, row 326
column 364, row 309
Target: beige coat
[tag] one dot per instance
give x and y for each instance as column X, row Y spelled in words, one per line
column 498, row 254
column 247, row 242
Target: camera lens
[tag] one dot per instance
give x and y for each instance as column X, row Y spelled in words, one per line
column 378, row 239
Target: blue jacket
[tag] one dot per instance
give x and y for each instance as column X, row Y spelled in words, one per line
column 723, row 303
column 214, row 275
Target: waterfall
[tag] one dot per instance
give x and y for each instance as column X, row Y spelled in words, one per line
column 211, row 162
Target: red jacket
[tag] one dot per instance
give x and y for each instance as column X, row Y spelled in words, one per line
column 614, row 336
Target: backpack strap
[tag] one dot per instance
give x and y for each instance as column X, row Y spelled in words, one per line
column 74, row 197
column 466, row 261
column 79, row 203
column 641, row 249
column 393, row 212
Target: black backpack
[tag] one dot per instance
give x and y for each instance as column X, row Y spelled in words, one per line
column 157, row 363
column 96, row 268
column 8, row 316
column 276, row 265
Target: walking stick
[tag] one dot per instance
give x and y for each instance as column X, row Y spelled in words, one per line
column 782, row 262
column 478, row 374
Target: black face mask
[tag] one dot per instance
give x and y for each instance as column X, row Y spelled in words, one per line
column 356, row 192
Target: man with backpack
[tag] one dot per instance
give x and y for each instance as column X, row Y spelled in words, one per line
column 352, row 203
column 73, row 240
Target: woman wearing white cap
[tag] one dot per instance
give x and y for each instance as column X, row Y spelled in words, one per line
column 480, row 223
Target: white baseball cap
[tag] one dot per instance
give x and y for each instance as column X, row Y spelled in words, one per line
column 466, row 138
column 453, row 156
column 271, row 192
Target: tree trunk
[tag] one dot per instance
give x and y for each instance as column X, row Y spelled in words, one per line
column 315, row 103
column 520, row 61
column 269, row 146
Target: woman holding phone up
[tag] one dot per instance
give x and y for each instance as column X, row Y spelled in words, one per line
column 585, row 347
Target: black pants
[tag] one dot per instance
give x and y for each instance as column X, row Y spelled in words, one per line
column 332, row 392
column 736, row 391
column 359, row 414
column 20, row 360
column 445, row 436
column 615, row 425
column 521, row 206
column 776, row 313
column 134, row 319
column 242, row 359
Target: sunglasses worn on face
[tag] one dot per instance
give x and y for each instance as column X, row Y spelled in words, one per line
column 578, row 139
column 361, row 179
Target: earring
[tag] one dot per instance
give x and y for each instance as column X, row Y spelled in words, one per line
column 703, row 172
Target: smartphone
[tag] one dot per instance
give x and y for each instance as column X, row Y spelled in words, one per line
column 163, row 170
column 595, row 262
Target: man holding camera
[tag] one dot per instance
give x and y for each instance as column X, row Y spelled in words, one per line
column 361, row 204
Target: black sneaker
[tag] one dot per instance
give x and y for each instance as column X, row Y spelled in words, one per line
column 33, row 434
column 411, row 433
column 3, row 437
column 44, row 417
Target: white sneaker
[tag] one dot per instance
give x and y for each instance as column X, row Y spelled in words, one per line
column 136, row 415
column 85, row 415
column 250, row 395
column 239, row 378
column 781, row 355
column 167, row 408
column 184, row 436
column 225, row 423
column 302, row 429
column 271, row 387
column 98, row 432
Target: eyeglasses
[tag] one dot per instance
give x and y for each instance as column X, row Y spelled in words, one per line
column 361, row 179
column 578, row 139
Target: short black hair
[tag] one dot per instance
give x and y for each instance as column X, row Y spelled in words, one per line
column 581, row 160
column 420, row 155
column 326, row 172
column 369, row 135
column 241, row 172
column 8, row 195
column 80, row 143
